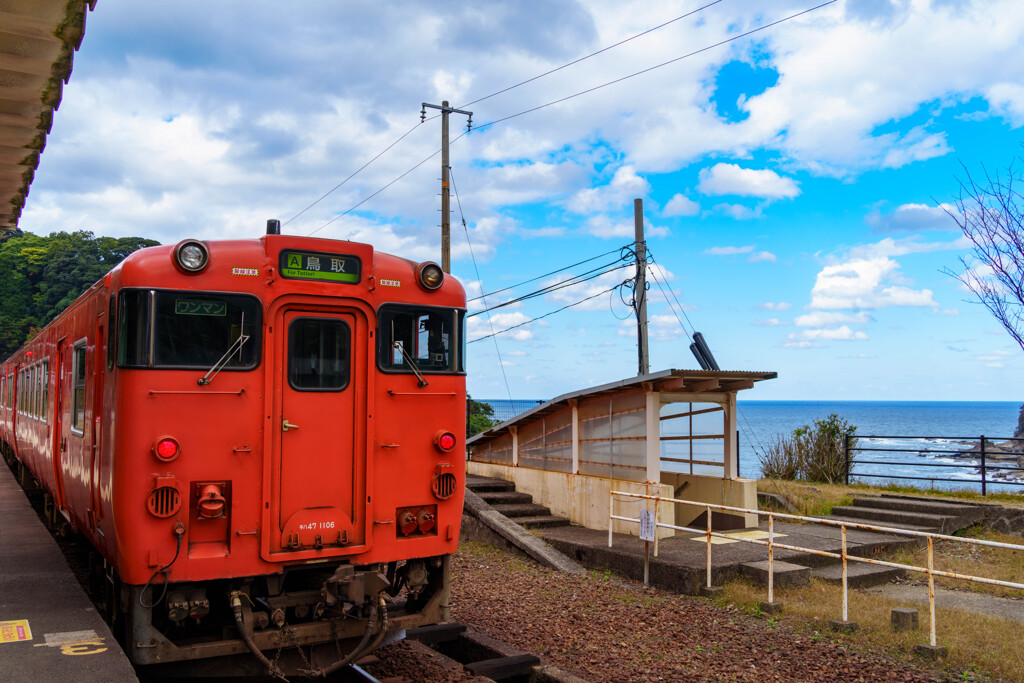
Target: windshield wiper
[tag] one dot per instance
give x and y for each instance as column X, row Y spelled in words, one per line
column 411, row 362
column 235, row 346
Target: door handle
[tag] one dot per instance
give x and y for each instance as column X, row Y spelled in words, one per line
column 286, row 425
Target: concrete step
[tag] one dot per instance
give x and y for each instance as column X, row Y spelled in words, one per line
column 516, row 510
column 785, row 573
column 896, row 518
column 541, row 521
column 505, row 497
column 858, row 574
column 479, row 484
column 933, row 507
column 861, row 520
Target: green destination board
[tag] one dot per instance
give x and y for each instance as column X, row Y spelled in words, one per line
column 314, row 265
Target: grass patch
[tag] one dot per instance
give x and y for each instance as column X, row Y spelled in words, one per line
column 980, row 647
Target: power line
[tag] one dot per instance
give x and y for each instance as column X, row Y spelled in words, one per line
column 490, row 324
column 656, row 66
column 368, row 198
column 554, row 272
column 668, row 292
column 533, row 320
column 592, row 54
column 590, row 90
column 572, row 282
column 355, row 173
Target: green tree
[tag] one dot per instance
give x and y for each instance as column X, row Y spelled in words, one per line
column 43, row 275
column 478, row 417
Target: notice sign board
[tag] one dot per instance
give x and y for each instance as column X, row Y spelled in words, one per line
column 647, row 525
column 313, row 265
column 13, row 631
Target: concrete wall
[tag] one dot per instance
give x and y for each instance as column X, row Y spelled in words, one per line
column 741, row 493
column 582, row 499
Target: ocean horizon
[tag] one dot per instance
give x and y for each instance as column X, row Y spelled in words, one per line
column 957, row 425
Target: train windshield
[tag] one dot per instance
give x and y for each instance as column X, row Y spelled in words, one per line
column 187, row 330
column 420, row 338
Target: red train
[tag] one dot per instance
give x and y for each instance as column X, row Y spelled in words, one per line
column 262, row 438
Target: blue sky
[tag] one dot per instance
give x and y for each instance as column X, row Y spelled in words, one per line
column 793, row 180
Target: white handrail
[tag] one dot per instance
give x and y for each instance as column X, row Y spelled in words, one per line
column 843, row 555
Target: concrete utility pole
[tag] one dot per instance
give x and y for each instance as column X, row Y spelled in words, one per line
column 445, row 194
column 640, row 293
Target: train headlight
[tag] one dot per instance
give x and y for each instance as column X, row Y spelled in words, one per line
column 191, row 256
column 166, row 449
column 444, row 441
column 429, row 275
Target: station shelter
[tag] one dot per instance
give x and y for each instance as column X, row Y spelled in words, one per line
column 671, row 434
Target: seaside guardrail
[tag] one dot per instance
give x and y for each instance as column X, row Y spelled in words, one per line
column 997, row 460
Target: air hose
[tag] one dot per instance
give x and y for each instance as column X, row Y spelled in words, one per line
column 359, row 649
column 236, row 607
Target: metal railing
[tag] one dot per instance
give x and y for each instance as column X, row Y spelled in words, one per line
column 843, row 555
column 983, row 454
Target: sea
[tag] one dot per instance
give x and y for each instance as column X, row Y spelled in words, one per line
column 952, row 427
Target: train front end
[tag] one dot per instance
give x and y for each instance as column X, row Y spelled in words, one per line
column 285, row 463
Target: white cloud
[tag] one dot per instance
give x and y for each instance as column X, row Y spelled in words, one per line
column 738, row 211
column 762, row 256
column 607, row 227
column 729, row 251
column 822, row 318
column 680, row 206
column 864, row 283
column 1007, row 99
column 914, row 218
column 843, row 333
column 731, row 179
column 620, row 192
column 775, row 306
column 772, row 322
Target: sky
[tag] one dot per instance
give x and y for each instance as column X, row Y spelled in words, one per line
column 797, row 181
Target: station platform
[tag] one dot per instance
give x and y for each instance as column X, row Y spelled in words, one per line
column 49, row 629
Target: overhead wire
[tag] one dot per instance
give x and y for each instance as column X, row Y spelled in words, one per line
column 586, row 57
column 562, row 284
column 586, row 91
column 490, row 323
column 494, row 94
column 553, row 272
column 540, row 317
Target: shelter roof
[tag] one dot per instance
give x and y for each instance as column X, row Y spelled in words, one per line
column 38, row 40
column 681, row 381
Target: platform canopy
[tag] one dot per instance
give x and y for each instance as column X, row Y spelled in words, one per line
column 664, row 381
column 38, row 40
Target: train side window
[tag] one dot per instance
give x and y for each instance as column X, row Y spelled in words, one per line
column 134, row 328
column 3, row 391
column 319, row 353
column 44, row 404
column 33, row 388
column 78, row 388
column 111, row 331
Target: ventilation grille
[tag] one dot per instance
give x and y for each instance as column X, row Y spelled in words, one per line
column 164, row 501
column 445, row 485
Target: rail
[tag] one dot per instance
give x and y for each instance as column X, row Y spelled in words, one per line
column 990, row 458
column 930, row 570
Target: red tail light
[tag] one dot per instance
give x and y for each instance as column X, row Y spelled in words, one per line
column 444, row 441
column 166, row 449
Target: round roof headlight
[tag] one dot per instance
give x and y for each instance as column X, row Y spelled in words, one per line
column 191, row 256
column 430, row 275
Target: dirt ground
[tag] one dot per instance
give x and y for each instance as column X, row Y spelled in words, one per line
column 603, row 628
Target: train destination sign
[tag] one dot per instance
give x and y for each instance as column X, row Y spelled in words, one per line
column 313, row 265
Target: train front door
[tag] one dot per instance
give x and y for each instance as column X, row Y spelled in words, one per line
column 321, row 483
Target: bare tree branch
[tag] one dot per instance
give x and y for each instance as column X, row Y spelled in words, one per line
column 990, row 213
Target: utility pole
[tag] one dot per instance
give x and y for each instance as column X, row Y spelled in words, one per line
column 640, row 293
column 445, row 193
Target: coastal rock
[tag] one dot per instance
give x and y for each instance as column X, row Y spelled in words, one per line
column 1019, row 432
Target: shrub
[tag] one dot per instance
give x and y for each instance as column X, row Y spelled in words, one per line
column 813, row 453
